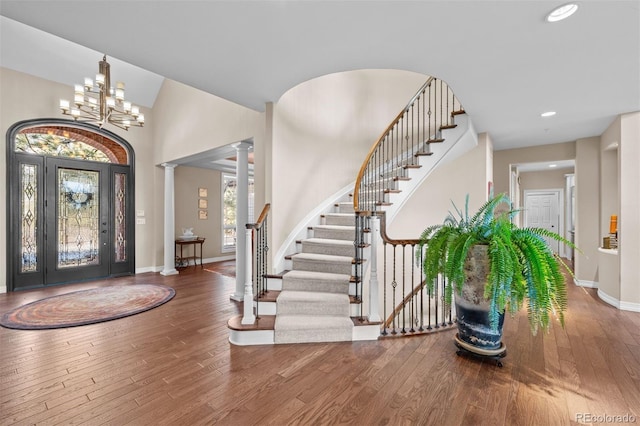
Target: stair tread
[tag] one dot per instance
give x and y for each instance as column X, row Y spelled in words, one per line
column 323, row 257
column 448, row 126
column 313, row 296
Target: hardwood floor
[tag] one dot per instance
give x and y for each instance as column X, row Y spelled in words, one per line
column 173, row 365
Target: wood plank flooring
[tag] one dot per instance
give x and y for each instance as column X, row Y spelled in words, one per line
column 173, row 365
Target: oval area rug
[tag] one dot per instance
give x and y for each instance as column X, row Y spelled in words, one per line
column 87, row 306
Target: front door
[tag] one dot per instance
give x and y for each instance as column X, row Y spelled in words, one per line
column 69, row 219
column 77, row 227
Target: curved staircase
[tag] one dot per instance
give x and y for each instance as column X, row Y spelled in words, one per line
column 318, row 295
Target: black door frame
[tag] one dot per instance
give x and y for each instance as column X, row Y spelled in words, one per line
column 37, row 279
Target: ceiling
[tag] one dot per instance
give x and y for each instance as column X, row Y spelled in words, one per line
column 505, row 63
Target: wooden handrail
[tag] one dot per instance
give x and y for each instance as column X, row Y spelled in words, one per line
column 356, row 191
column 398, row 309
column 261, row 218
column 387, row 239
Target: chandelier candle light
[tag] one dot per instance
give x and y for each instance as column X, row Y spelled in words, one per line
column 100, row 103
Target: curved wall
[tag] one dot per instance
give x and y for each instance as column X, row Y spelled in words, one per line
column 322, row 130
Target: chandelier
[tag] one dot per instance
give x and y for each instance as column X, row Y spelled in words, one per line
column 100, row 103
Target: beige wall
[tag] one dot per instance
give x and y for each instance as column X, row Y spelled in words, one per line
column 502, row 160
column 322, row 131
column 24, row 97
column 609, row 175
column 587, row 209
column 548, row 179
column 187, row 182
column 188, row 121
column 432, row 201
column 629, row 220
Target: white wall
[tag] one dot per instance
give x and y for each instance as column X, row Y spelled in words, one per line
column 322, row 130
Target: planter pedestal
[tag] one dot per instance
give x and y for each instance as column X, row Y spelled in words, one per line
column 495, row 354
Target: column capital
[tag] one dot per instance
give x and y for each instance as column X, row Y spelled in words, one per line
column 169, row 165
column 244, row 145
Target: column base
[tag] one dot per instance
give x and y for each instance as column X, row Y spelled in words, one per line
column 237, row 297
column 169, row 272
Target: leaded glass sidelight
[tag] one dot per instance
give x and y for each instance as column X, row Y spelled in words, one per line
column 29, row 217
column 78, row 217
column 120, row 216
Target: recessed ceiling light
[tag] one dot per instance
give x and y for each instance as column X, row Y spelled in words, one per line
column 553, row 165
column 562, row 12
column 548, row 114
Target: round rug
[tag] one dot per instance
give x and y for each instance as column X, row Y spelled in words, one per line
column 87, row 306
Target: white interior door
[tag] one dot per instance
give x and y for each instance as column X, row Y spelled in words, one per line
column 542, row 211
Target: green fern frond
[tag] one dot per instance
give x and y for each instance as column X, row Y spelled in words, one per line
column 521, row 265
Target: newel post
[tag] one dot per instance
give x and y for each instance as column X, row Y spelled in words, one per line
column 248, row 315
column 374, row 302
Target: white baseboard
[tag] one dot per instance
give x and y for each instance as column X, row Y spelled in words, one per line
column 366, row 332
column 623, row 306
column 159, row 268
column 630, row 306
column 585, row 283
column 608, row 299
column 148, row 269
column 3, row 289
column 250, row 338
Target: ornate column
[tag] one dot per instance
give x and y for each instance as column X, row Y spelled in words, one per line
column 169, row 267
column 248, row 316
column 243, row 250
column 374, row 300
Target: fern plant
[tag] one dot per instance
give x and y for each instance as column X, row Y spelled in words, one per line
column 521, row 264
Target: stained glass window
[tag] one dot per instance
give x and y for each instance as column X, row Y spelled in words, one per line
column 78, row 217
column 29, row 217
column 120, row 214
column 58, row 146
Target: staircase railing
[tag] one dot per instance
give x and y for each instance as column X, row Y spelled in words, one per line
column 409, row 306
column 409, row 136
column 256, row 265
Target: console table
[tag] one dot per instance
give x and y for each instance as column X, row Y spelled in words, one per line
column 182, row 258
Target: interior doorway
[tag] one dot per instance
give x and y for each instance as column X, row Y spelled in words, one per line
column 544, row 209
column 70, row 204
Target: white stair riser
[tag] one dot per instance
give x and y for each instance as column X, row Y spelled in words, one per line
column 274, row 283
column 345, row 234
